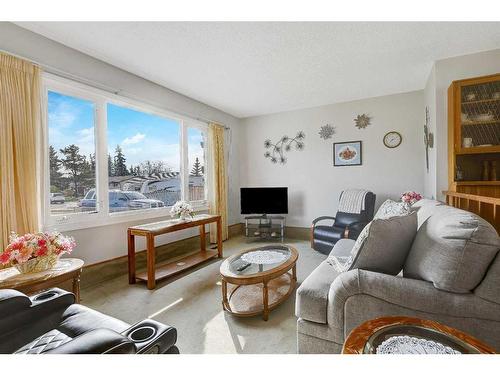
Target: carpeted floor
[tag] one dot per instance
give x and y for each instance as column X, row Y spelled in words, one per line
column 192, row 304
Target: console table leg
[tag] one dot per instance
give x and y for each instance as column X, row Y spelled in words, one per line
column 265, row 292
column 150, row 240
column 203, row 238
column 131, row 257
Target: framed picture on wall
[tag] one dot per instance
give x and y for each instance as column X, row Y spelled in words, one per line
column 347, row 153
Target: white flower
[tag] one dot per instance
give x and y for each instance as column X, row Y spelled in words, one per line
column 181, row 207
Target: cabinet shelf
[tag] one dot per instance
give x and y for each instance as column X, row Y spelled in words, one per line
column 469, row 123
column 481, row 101
column 478, row 150
column 477, row 183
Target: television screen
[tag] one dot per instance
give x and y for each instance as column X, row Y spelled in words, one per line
column 264, row 200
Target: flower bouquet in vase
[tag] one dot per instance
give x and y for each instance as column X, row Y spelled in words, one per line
column 410, row 197
column 182, row 210
column 36, row 252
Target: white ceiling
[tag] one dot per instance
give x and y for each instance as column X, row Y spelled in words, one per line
column 255, row 68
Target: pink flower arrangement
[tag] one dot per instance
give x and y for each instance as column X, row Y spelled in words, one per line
column 33, row 245
column 410, row 197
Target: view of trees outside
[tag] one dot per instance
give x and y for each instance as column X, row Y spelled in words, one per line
column 196, row 161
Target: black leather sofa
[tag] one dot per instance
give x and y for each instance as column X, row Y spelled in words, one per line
column 345, row 225
column 51, row 322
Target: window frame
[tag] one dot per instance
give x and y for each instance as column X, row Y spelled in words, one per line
column 100, row 99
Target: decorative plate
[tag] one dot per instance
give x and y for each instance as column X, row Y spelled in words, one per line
column 413, row 345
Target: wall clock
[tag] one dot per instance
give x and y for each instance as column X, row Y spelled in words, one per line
column 392, row 139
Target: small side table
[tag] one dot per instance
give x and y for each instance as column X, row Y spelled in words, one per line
column 415, row 335
column 31, row 283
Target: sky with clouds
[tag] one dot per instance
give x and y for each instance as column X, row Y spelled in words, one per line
column 142, row 136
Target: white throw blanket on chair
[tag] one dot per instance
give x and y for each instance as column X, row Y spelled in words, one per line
column 352, row 201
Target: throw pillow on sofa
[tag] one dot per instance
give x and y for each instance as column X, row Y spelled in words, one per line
column 392, row 208
column 382, row 246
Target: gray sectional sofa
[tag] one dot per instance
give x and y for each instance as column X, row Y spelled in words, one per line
column 451, row 275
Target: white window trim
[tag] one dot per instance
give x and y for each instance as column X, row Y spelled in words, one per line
column 103, row 216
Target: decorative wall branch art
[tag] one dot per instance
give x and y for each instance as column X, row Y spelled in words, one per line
column 362, row 121
column 326, row 131
column 428, row 137
column 277, row 150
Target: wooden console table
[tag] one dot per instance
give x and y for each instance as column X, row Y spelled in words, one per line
column 151, row 230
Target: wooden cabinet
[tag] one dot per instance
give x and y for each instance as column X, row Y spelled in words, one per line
column 474, row 146
column 474, row 135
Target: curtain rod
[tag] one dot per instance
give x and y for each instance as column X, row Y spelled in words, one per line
column 63, row 74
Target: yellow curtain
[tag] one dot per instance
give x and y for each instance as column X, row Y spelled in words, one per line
column 218, row 193
column 19, row 123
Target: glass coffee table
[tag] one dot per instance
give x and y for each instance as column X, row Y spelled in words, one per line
column 257, row 280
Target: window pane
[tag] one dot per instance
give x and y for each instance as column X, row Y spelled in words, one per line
column 71, row 154
column 143, row 160
column 196, row 160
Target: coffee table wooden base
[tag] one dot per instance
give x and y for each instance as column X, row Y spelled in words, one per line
column 256, row 299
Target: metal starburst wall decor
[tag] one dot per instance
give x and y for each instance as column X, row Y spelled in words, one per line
column 276, row 151
column 326, row 131
column 362, row 121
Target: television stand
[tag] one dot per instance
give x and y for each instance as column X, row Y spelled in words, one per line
column 265, row 227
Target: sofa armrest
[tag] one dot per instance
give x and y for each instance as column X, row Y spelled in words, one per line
column 98, row 341
column 353, row 230
column 318, row 219
column 12, row 301
column 417, row 295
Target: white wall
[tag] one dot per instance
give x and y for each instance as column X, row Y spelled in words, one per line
column 97, row 244
column 314, row 183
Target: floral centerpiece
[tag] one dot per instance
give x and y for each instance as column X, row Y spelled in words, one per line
column 36, row 252
column 182, row 210
column 410, row 197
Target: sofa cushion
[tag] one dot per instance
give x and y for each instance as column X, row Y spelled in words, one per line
column 489, row 289
column 452, row 249
column 382, row 246
column 312, row 295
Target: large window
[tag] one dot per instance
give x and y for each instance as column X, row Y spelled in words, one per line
column 107, row 157
column 143, row 160
column 71, row 153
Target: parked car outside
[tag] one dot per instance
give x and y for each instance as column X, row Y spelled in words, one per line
column 57, row 198
column 120, row 201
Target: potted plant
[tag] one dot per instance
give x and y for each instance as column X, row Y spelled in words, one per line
column 36, row 252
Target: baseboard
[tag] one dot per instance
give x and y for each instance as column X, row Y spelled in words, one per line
column 298, row 233
column 97, row 273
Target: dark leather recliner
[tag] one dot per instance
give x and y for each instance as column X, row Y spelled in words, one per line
column 345, row 225
column 51, row 322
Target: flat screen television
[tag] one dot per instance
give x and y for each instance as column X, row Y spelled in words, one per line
column 264, row 200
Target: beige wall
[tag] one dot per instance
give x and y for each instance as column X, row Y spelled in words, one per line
column 314, row 183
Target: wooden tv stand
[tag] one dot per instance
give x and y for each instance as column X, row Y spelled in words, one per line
column 151, row 230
